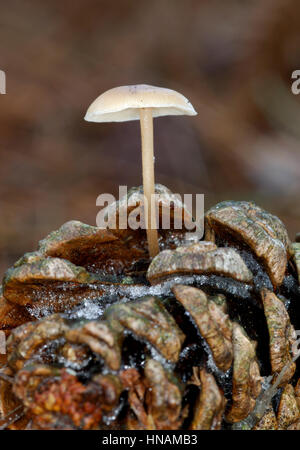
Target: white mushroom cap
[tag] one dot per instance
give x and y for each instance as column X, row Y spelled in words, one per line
column 123, row 103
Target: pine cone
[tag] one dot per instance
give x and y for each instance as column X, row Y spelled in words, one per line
column 201, row 337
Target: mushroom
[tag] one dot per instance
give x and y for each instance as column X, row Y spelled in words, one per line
column 141, row 102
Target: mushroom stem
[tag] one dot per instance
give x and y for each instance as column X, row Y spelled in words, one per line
column 148, row 178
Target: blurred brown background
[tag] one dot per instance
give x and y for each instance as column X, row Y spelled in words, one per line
column 232, row 59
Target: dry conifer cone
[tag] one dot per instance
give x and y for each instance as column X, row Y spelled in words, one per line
column 202, row 337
